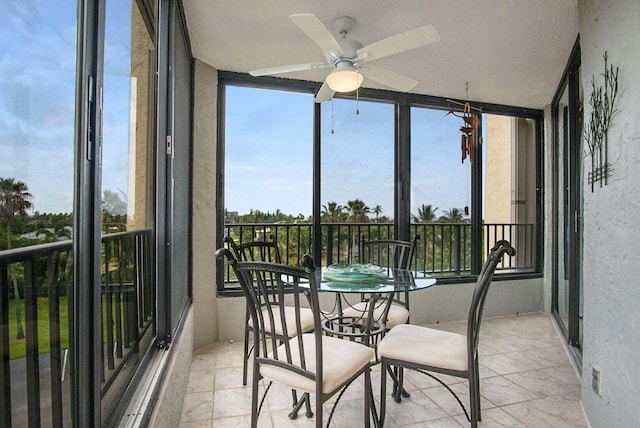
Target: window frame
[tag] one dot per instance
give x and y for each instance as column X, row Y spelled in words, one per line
column 402, row 217
column 86, row 336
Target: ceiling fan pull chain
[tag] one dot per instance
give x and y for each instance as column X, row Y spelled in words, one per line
column 332, row 115
column 357, row 100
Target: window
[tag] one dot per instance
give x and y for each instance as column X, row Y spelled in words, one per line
column 385, row 165
column 37, row 92
column 510, row 183
column 79, row 197
column 268, row 168
column 357, row 175
column 128, row 138
column 440, row 193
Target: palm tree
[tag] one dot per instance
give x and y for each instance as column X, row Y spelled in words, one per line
column 15, row 199
column 426, row 214
column 332, row 212
column 452, row 235
column 358, row 211
column 57, row 233
column 453, row 215
column 377, row 210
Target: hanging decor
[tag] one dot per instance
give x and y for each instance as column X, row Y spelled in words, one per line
column 469, row 138
column 602, row 102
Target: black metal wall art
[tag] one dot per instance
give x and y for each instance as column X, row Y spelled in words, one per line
column 602, row 102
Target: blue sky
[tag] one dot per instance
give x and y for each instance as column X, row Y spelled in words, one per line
column 269, row 147
column 37, row 69
column 269, row 133
column 37, row 98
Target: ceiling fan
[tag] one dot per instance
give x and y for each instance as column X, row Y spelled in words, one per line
column 349, row 58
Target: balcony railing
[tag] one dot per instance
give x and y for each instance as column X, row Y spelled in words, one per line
column 444, row 249
column 36, row 386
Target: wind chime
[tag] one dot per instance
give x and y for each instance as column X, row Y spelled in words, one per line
column 469, row 138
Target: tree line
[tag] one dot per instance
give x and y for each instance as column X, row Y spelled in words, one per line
column 355, row 211
column 19, row 229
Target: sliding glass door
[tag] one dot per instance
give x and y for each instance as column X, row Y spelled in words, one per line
column 567, row 203
column 82, row 202
column 127, row 203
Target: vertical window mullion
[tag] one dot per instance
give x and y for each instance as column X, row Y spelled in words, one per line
column 86, row 337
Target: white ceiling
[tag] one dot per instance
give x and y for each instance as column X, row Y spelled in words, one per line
column 511, row 52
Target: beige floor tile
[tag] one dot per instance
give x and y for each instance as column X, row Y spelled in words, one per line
column 243, row 421
column 507, row 363
column 197, row 406
column 439, row 423
column 558, row 412
column 447, row 402
column 232, row 402
column 198, row 424
column 494, row 418
column 230, row 377
column 203, row 361
column 526, row 381
column 417, row 409
column 501, row 391
column 542, row 383
column 229, row 358
column 201, row 380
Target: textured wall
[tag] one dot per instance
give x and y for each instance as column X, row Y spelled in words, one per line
column 611, row 230
column 448, row 302
column 167, row 410
column 204, row 204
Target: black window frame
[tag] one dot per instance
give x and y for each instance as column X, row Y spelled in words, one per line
column 403, row 103
column 86, row 337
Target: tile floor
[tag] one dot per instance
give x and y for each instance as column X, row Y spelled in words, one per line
column 527, row 380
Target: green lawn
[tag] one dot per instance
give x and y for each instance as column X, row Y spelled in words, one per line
column 17, row 348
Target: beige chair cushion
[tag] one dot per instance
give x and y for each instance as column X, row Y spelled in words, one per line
column 427, row 346
column 398, row 314
column 341, row 360
column 306, row 320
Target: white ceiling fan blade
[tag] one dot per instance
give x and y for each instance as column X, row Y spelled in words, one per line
column 388, row 78
column 317, row 32
column 324, row 94
column 287, row 68
column 401, row 42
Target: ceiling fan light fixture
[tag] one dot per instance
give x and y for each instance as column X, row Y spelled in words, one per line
column 344, row 78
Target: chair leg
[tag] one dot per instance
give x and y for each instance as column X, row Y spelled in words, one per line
column 399, row 387
column 245, row 356
column 254, row 400
column 319, row 397
column 474, row 395
column 478, row 413
column 297, row 405
column 307, row 400
column 383, row 392
column 404, row 392
column 368, row 397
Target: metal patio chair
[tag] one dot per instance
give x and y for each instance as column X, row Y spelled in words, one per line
column 311, row 363
column 386, row 253
column 264, row 251
column 430, row 350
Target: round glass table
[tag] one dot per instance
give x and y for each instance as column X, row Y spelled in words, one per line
column 376, row 286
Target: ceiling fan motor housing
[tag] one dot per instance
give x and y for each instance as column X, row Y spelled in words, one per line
column 350, row 48
column 343, row 24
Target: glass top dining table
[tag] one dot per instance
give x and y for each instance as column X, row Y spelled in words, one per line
column 385, row 282
column 378, row 285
